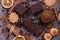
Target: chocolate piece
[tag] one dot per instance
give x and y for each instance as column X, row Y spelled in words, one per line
column 20, row 9
column 36, row 7
column 27, row 36
column 34, row 28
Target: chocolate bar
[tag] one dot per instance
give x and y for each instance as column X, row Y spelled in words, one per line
column 36, row 7
column 20, row 9
column 34, row 28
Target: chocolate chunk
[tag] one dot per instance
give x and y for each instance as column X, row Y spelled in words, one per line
column 20, row 9
column 34, row 28
column 36, row 7
column 27, row 36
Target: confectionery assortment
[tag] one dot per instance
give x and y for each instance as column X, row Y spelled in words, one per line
column 33, row 18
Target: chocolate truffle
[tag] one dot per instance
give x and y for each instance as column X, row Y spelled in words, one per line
column 47, row 16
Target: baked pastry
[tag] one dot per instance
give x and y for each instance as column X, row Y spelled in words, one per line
column 19, row 37
column 7, row 3
column 47, row 16
column 49, row 2
column 13, row 17
column 53, row 31
column 47, row 36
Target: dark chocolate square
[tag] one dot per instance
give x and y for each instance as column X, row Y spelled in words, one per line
column 34, row 28
column 36, row 7
column 20, row 9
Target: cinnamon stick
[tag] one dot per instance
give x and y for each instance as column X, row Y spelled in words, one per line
column 56, row 14
column 12, row 7
column 13, row 31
